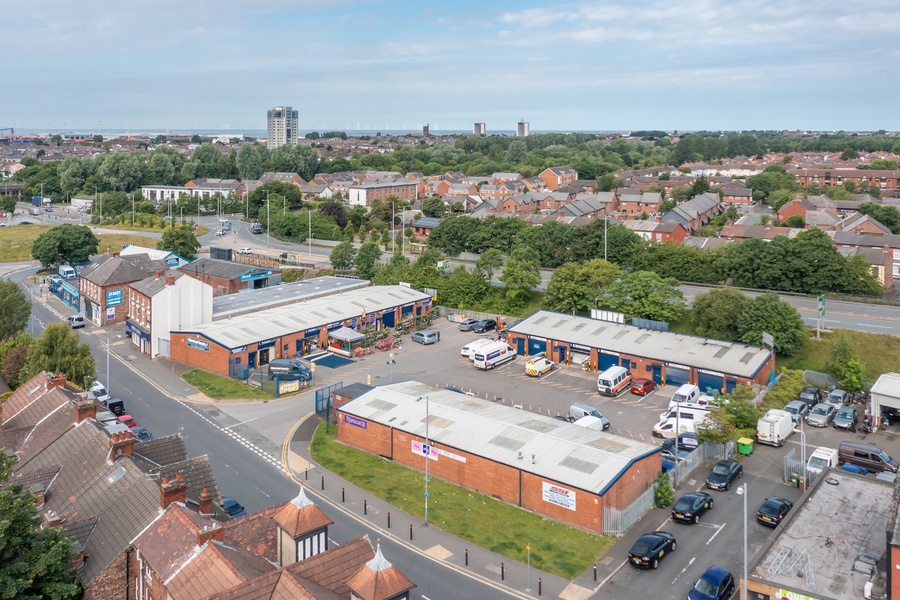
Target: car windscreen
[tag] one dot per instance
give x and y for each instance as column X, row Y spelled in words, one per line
column 819, row 410
column 721, row 470
column 684, row 504
column 769, row 508
column 818, row 463
column 845, row 414
column 706, row 587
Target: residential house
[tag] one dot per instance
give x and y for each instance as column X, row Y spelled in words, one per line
column 737, row 195
column 498, row 178
column 158, row 194
column 461, row 189
column 207, row 187
column 104, row 285
column 162, row 303
column 696, row 212
column 579, row 186
column 532, row 202
column 270, row 176
column 309, row 191
column 886, row 180
column 589, row 205
column 660, row 232
column 635, row 203
column 557, row 177
column 228, row 277
column 536, row 184
column 422, row 227
column 364, row 195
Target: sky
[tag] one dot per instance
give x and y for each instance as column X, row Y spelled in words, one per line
column 562, row 66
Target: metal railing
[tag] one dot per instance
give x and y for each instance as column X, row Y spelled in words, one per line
column 617, row 522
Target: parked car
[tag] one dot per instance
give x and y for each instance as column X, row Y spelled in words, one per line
column 76, row 321
column 48, row 209
column 650, row 548
column 855, row 469
column 798, row 410
column 233, row 507
column 846, row 417
column 128, row 421
column 642, row 387
column 484, row 325
column 724, row 474
column 283, row 255
column 425, row 337
column 142, row 434
column 811, row 395
column 686, row 441
column 244, row 250
column 99, row 392
column 690, row 506
column 716, row 583
column 837, row 397
column 821, row 415
column 773, row 510
column 669, row 455
column 468, row 324
column 537, row 365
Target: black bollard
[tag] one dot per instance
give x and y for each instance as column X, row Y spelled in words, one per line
column 306, row 474
column 467, row 557
column 410, row 532
column 343, row 497
column 389, row 520
column 502, row 572
column 539, row 586
column 595, row 573
column 323, row 482
column 365, row 507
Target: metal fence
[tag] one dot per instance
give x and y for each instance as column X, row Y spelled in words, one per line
column 684, row 467
column 617, row 522
column 795, row 469
column 821, row 380
column 716, row 452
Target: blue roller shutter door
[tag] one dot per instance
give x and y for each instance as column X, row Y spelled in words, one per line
column 606, row 361
column 677, row 376
column 708, row 381
column 536, row 347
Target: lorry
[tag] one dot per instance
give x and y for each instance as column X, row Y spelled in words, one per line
column 774, row 427
column 821, row 459
column 40, row 201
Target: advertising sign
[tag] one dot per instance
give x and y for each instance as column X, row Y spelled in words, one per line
column 429, row 451
column 114, row 297
column 289, row 386
column 356, row 422
column 110, row 314
column 198, row 344
column 557, row 495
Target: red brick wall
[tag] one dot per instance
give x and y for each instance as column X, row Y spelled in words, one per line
column 588, row 511
column 375, row 438
column 216, row 360
column 634, row 482
column 790, row 209
column 111, row 583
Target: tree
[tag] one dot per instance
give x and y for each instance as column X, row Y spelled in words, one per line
column 249, row 162
column 369, row 254
column 433, row 206
column 7, row 203
column 15, row 309
column 714, row 313
column 34, row 561
column 854, row 378
column 888, row 216
column 700, row 186
column 520, row 276
column 13, row 363
column 58, row 351
column 516, row 152
column 849, row 154
column 770, row 314
column 73, row 244
column 121, row 171
column 180, row 240
column 646, row 295
column 490, row 261
column 343, row 256
column 575, row 287
column 843, row 350
column 663, row 493
column 795, row 221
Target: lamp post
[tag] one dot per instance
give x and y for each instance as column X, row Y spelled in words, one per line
column 743, row 492
column 309, row 232
column 132, row 209
column 427, row 456
column 802, row 448
column 391, row 362
column 268, row 218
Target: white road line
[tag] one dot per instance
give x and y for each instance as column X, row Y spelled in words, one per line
column 715, row 534
column 241, row 423
column 690, row 562
column 878, row 326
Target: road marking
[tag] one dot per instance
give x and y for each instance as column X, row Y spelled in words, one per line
column 241, row 423
column 611, row 575
column 715, row 534
column 878, row 326
column 690, row 562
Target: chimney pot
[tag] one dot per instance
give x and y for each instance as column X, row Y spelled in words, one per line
column 170, row 279
column 56, row 381
column 172, row 491
column 205, row 501
column 51, row 519
column 120, row 444
column 159, row 273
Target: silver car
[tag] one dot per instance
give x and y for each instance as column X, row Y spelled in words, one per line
column 798, row 410
column 836, row 397
column 821, row 415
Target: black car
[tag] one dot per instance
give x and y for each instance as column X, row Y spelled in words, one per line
column 484, row 325
column 811, row 395
column 686, row 441
column 649, row 548
column 690, row 506
column 468, row 324
column 773, row 510
column 716, row 583
column 724, row 474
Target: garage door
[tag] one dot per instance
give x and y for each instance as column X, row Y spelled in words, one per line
column 676, row 375
column 708, row 381
column 607, row 360
column 730, row 384
column 388, row 319
column 536, row 346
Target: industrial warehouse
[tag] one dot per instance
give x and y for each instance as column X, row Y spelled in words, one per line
column 254, row 339
column 665, row 357
column 561, row 470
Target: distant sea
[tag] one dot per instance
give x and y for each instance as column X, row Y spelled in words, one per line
column 261, row 133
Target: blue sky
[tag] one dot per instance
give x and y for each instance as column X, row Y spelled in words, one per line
column 607, row 65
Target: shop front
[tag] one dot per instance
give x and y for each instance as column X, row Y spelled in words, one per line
column 140, row 337
column 69, row 294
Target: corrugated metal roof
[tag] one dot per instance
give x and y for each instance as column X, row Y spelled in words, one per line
column 283, row 320
column 723, row 357
column 576, row 456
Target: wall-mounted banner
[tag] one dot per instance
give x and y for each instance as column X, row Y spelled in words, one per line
column 351, row 420
column 557, row 495
column 429, row 451
column 198, row 344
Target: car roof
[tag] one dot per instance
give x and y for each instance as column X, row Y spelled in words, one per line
column 715, row 574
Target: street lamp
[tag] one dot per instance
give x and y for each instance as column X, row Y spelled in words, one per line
column 802, row 448
column 268, row 218
column 743, row 492
column 132, row 209
column 427, row 456
column 391, row 362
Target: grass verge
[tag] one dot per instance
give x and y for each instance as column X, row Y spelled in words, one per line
column 217, row 386
column 880, row 353
column 113, row 242
column 16, row 241
column 489, row 523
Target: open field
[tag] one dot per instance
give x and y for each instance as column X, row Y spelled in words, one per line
column 880, row 353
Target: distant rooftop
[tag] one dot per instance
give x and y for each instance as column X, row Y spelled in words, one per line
column 231, row 305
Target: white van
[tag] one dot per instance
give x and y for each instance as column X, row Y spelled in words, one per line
column 600, row 423
column 491, row 355
column 469, row 349
column 67, row 272
column 774, row 427
column 694, row 411
column 684, row 420
column 821, row 459
column 613, row 381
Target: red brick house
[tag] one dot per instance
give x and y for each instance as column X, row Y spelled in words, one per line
column 736, row 195
column 557, row 177
column 886, row 180
column 637, row 204
column 422, row 227
column 660, row 232
column 104, row 285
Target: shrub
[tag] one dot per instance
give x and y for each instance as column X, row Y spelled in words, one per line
column 663, row 495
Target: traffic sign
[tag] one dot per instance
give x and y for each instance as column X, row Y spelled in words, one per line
column 821, row 306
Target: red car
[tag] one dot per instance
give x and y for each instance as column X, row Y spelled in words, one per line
column 128, row 421
column 642, row 387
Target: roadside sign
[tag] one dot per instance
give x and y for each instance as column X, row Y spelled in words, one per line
column 443, row 265
column 768, row 340
column 821, row 306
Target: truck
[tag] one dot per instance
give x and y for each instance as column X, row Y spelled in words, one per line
column 821, row 459
column 40, row 201
column 774, row 427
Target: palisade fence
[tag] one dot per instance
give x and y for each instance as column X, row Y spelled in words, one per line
column 795, row 468
column 617, row 522
column 451, row 313
column 716, row 452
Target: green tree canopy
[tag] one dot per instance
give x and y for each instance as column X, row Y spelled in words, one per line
column 368, row 254
column 520, row 276
column 15, row 309
column 433, row 206
column 58, row 350
column 768, row 313
column 715, row 313
column 181, row 240
column 65, row 244
column 646, row 295
column 343, row 256
column 575, row 287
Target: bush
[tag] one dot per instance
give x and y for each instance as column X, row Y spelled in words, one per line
column 663, row 495
column 786, row 390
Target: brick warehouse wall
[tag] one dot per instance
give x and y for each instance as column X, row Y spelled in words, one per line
column 374, row 439
column 633, row 482
column 588, row 512
column 216, row 360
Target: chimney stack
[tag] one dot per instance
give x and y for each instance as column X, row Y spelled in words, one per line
column 159, row 273
column 120, row 444
column 85, row 408
column 170, row 279
column 205, row 501
column 56, row 381
column 172, row 491
column 51, row 519
column 213, row 531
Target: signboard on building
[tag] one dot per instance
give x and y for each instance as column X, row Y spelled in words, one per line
column 420, row 448
column 172, row 261
column 557, row 495
column 110, row 314
column 198, row 344
column 114, row 297
column 356, row 422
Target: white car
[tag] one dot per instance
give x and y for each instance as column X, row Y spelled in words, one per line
column 99, row 392
column 244, row 251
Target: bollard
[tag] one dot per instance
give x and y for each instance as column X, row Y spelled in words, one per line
column 539, row 586
column 467, row 557
column 410, row 532
column 502, row 572
column 343, row 496
column 595, row 573
column 306, row 474
column 323, row 482
column 389, row 520
column 365, row 507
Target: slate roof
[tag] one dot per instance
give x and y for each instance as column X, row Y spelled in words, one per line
column 80, row 531
column 197, row 473
column 50, row 428
column 217, row 268
column 115, row 270
column 820, row 217
column 162, row 451
column 427, row 222
column 278, row 585
column 153, row 285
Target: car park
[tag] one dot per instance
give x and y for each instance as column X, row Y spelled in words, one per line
column 650, row 548
column 233, row 507
column 716, row 583
column 128, row 421
column 821, row 415
column 690, row 506
column 538, row 365
column 425, row 337
column 469, row 349
column 598, row 423
column 642, row 387
column 724, row 474
column 468, row 324
column 837, row 397
column 846, row 417
column 773, row 510
column 484, row 325
column 797, row 409
column 811, row 395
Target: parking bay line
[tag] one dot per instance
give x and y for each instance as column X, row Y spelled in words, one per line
column 690, row 562
column 721, row 527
